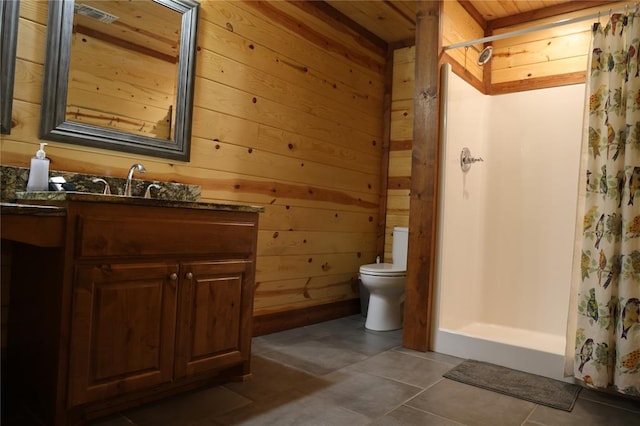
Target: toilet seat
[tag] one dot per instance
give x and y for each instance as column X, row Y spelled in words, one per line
column 383, row 270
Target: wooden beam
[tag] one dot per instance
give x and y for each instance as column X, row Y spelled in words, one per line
column 316, row 37
column 471, row 10
column 547, row 12
column 567, row 79
column 411, row 20
column 424, row 180
column 327, row 12
column 124, row 44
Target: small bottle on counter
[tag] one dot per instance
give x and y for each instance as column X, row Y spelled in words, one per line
column 39, row 173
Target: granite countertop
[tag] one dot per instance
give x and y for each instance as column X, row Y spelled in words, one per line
column 61, row 196
column 14, row 179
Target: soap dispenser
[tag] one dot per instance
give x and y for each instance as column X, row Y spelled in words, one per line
column 39, row 173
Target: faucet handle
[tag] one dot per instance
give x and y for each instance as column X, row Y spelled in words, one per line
column 147, row 193
column 107, row 189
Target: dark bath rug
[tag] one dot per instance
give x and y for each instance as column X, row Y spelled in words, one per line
column 518, row 384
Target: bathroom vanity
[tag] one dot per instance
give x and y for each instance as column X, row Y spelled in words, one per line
column 117, row 301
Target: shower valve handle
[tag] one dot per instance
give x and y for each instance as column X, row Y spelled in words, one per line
column 466, row 160
column 471, row 160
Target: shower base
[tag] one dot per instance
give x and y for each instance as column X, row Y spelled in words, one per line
column 524, row 350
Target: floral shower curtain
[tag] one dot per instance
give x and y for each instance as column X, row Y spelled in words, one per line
column 607, row 350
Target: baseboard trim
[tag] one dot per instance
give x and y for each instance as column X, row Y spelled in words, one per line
column 279, row 321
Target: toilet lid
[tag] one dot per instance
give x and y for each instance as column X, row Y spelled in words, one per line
column 383, row 270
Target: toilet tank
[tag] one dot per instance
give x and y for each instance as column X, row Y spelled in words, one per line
column 399, row 246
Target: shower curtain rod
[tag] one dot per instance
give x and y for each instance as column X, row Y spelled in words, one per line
column 530, row 29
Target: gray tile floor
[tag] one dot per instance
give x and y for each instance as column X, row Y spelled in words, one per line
column 337, row 373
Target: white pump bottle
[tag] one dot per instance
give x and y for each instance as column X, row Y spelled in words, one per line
column 39, row 173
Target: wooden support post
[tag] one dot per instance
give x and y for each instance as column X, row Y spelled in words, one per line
column 424, row 181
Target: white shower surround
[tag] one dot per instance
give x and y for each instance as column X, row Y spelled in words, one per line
column 506, row 229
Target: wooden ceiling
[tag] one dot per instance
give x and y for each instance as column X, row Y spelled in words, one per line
column 394, row 20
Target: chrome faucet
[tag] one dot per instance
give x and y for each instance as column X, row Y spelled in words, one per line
column 147, row 194
column 107, row 190
column 127, row 187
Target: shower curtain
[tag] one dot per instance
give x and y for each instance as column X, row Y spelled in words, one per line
column 607, row 345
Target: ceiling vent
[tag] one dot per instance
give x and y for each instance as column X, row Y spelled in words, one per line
column 92, row 12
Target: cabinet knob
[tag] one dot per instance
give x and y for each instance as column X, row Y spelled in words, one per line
column 188, row 275
column 173, row 276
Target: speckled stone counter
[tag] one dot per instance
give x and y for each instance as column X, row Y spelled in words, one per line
column 14, row 179
column 60, row 197
column 13, row 183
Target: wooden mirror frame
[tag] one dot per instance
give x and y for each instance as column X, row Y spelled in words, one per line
column 53, row 124
column 9, row 16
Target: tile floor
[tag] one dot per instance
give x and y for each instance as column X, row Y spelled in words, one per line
column 337, row 373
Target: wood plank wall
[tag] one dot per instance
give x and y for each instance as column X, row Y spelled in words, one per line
column 401, row 138
column 143, row 92
column 459, row 26
column 545, row 58
column 288, row 114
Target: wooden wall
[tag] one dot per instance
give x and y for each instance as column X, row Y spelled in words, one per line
column 545, row 58
column 459, row 26
column 288, row 114
column 401, row 137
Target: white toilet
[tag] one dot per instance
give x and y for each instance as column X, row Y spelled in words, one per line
column 385, row 283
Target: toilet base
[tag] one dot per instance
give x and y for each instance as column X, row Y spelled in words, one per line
column 384, row 314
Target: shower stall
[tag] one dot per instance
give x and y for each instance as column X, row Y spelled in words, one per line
column 506, row 225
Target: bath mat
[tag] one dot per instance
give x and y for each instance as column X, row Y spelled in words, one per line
column 518, row 384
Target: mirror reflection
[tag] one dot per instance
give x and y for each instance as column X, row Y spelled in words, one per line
column 8, row 42
column 119, row 75
column 124, row 66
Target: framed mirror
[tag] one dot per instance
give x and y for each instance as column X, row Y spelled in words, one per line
column 9, row 15
column 119, row 75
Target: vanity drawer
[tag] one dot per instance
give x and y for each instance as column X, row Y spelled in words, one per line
column 179, row 232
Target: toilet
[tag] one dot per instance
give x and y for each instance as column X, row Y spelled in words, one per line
column 385, row 283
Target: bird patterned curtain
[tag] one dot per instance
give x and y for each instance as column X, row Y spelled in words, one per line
column 608, row 328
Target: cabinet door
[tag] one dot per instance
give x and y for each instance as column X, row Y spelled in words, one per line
column 215, row 301
column 122, row 329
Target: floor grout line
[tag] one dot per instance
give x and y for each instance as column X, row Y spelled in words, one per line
column 295, row 359
column 423, row 357
column 530, row 414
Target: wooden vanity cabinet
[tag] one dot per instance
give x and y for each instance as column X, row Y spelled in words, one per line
column 161, row 302
column 212, row 316
column 122, row 329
